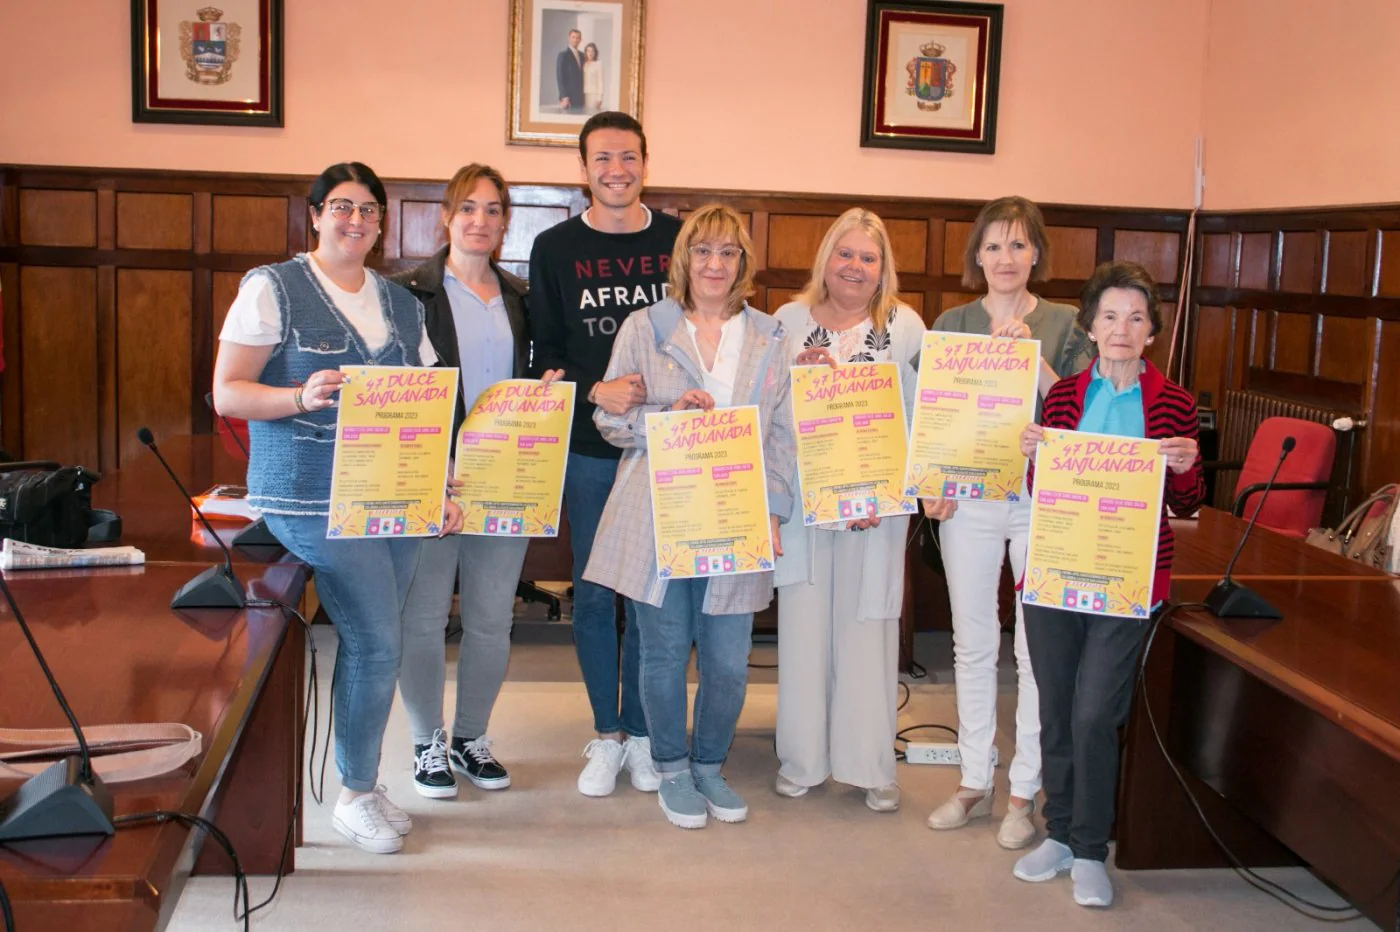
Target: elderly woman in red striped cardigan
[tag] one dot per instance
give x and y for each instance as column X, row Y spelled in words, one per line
column 1085, row 663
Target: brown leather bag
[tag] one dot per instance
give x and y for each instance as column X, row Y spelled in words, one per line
column 1359, row 537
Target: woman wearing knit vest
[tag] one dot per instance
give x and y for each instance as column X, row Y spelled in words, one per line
column 1007, row 248
column 289, row 330
column 840, row 585
column 1084, row 663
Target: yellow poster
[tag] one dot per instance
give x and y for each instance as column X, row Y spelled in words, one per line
column 393, row 436
column 709, row 493
column 851, row 441
column 1094, row 518
column 975, row 396
column 511, row 454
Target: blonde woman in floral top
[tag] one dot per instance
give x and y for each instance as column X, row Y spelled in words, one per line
column 840, row 585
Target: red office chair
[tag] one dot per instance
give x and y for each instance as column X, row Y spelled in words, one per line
column 1295, row 504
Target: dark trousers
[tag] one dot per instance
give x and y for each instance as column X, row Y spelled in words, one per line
column 1084, row 667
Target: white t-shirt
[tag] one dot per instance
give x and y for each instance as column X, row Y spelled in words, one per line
column 254, row 319
column 720, row 379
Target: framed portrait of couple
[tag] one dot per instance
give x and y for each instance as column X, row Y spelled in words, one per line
column 570, row 59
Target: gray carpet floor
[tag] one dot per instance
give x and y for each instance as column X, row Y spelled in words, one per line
column 539, row 856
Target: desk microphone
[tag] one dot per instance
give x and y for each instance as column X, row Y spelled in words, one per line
column 65, row 798
column 216, row 587
column 255, row 537
column 1229, row 599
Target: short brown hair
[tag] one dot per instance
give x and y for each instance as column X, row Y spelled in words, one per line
column 1118, row 274
column 1009, row 210
column 715, row 223
column 463, row 183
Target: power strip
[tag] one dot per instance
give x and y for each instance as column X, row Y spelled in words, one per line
column 937, row 752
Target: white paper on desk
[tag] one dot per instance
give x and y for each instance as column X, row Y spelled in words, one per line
column 18, row 555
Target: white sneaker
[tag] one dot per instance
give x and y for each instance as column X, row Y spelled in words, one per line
column 789, row 788
column 362, row 821
column 400, row 820
column 640, row 765
column 605, row 760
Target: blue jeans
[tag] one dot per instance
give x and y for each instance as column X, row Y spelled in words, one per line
column 587, row 483
column 722, row 645
column 362, row 584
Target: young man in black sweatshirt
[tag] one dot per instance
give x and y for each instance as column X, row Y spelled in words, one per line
column 586, row 275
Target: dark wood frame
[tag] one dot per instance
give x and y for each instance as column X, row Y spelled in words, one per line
column 148, row 107
column 981, row 137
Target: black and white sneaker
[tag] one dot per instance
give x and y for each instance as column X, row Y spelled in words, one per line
column 473, row 760
column 432, row 777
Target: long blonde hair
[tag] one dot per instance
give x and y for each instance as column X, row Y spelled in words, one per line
column 886, row 297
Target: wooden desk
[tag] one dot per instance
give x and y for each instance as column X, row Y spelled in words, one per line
column 153, row 516
column 122, row 655
column 1288, row 733
column 1204, row 545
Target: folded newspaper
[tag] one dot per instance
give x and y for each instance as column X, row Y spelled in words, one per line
column 17, row 555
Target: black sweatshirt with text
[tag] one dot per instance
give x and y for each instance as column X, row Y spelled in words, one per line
column 583, row 284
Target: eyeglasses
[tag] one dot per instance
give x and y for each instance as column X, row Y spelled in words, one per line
column 342, row 209
column 727, row 254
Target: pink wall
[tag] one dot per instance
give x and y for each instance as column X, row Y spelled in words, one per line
column 738, row 95
column 1301, row 103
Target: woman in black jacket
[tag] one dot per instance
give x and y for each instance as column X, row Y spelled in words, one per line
column 476, row 318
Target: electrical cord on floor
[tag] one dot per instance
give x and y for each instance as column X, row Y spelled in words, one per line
column 311, row 714
column 907, row 693
column 903, row 732
column 5, row 910
column 1293, row 901
column 240, row 879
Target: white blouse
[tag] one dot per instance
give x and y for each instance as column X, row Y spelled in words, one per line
column 720, row 378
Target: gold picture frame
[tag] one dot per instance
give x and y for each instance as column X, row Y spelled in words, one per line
column 550, row 70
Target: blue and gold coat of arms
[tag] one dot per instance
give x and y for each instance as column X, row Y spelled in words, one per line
column 930, row 77
column 209, row 47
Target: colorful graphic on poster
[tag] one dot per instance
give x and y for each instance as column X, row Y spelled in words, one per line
column 975, row 396
column 852, row 441
column 512, row 451
column 709, row 492
column 1097, row 504
column 393, row 436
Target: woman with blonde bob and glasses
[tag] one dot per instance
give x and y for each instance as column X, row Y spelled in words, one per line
column 840, row 585
column 1007, row 249
column 701, row 348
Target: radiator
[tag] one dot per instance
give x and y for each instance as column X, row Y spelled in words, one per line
column 1240, row 416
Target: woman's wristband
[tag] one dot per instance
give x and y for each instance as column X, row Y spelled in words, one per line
column 296, row 397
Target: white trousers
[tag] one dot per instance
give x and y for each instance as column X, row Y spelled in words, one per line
column 973, row 543
column 837, row 674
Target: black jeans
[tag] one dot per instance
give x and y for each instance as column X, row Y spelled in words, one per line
column 1084, row 668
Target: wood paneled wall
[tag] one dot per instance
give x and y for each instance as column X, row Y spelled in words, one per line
column 1305, row 305
column 116, row 283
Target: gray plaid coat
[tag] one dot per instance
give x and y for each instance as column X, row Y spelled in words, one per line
column 654, row 343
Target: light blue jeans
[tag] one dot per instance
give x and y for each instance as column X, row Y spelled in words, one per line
column 722, row 644
column 362, row 583
column 489, row 569
column 587, row 483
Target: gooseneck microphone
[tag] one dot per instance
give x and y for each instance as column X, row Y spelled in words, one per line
column 216, row 587
column 1229, row 599
column 255, row 539
column 65, row 798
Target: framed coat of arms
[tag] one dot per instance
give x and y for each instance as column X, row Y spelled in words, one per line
column 206, row 61
column 931, row 75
